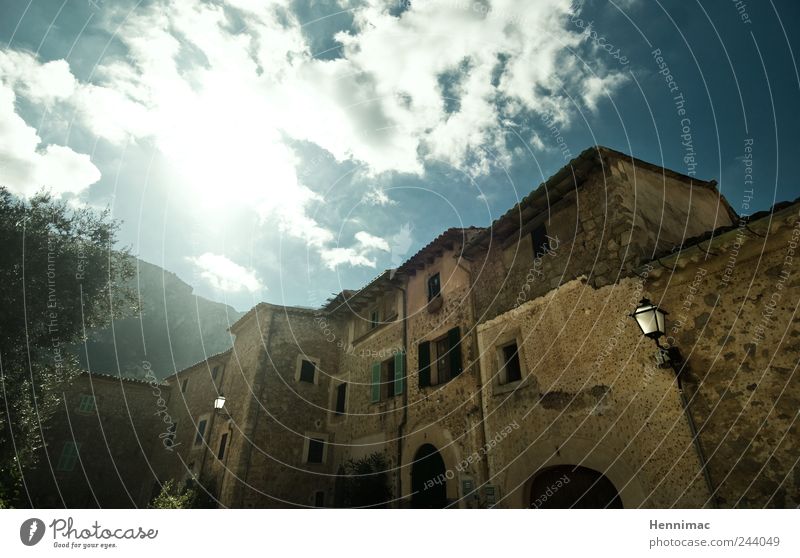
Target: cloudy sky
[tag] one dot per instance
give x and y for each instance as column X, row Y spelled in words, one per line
column 283, row 150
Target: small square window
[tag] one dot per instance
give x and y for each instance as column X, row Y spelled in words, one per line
column 184, row 384
column 373, row 319
column 307, row 371
column 69, row 457
column 316, row 450
column 511, row 366
column 434, row 287
column 201, row 432
column 214, row 372
column 86, row 404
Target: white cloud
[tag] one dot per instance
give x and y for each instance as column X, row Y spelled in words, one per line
column 358, row 255
column 27, row 166
column 219, row 96
column 225, row 275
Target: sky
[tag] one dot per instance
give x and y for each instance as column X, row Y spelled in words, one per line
column 284, row 150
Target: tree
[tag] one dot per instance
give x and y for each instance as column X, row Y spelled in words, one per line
column 365, row 482
column 60, row 275
column 173, row 497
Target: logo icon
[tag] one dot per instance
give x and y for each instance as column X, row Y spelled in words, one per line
column 32, row 531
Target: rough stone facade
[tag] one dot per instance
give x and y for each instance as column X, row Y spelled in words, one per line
column 453, row 319
column 99, row 447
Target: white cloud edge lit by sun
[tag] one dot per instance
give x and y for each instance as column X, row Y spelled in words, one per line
column 225, row 275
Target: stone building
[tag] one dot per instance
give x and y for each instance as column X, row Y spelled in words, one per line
column 500, row 367
column 99, row 446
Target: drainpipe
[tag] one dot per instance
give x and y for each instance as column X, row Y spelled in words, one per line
column 474, row 331
column 401, row 427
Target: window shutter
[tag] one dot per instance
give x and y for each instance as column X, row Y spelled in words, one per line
column 454, row 341
column 399, row 373
column 376, row 382
column 424, row 364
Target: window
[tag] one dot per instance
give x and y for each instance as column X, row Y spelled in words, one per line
column 201, row 432
column 440, row 360
column 86, row 404
column 539, row 241
column 341, row 395
column 214, row 372
column 184, row 384
column 69, row 456
column 511, row 371
column 316, row 450
column 434, row 287
column 319, row 499
column 307, row 371
column 373, row 319
column 222, row 442
column 388, row 378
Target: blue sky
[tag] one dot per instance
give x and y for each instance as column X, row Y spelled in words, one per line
column 284, row 150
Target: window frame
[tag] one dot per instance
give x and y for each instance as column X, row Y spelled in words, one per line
column 437, row 276
column 71, row 457
column 200, row 433
column 440, row 360
column 86, row 409
column 223, row 446
column 299, row 368
column 307, row 439
column 337, row 388
column 500, row 383
column 504, row 377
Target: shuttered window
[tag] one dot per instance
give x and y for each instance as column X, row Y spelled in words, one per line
column 376, row 382
column 454, row 342
column 201, row 431
column 69, row 456
column 446, row 360
column 399, row 373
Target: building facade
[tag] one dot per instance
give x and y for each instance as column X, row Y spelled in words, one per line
column 499, row 366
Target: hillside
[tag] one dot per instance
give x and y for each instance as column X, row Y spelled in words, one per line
column 175, row 329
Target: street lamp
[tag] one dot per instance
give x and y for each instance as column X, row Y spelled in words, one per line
column 650, row 318
column 219, row 402
column 652, row 322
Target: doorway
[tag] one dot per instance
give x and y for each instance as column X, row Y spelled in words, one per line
column 572, row 486
column 428, row 481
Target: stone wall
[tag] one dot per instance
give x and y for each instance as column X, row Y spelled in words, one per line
column 116, row 441
column 733, row 315
column 590, row 396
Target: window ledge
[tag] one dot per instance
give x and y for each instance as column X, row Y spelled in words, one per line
column 500, row 389
column 436, row 304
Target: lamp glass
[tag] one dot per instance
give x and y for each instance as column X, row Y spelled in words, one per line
column 219, row 402
column 650, row 318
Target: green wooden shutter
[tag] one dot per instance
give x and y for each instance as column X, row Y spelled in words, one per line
column 376, row 382
column 424, row 364
column 399, row 373
column 454, row 342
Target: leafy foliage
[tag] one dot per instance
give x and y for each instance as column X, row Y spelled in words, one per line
column 59, row 276
column 173, row 497
column 365, row 482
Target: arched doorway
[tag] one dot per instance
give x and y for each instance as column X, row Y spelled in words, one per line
column 428, row 480
column 571, row 486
